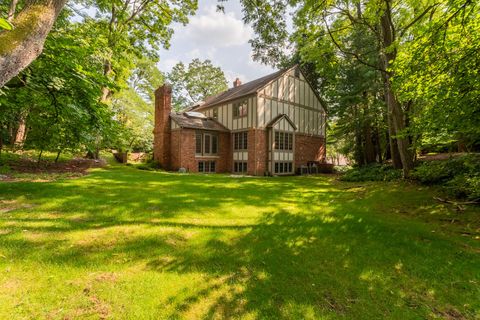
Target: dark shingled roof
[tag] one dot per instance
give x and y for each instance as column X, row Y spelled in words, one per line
column 240, row 91
column 185, row 121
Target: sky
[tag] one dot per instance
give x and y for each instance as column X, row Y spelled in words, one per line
column 220, row 37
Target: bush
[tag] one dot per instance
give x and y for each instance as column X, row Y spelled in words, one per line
column 460, row 177
column 146, row 167
column 374, row 172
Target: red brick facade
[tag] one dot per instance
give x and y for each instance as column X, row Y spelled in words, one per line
column 257, row 152
column 162, row 130
column 308, row 148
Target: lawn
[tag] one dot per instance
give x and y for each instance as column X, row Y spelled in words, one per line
column 123, row 243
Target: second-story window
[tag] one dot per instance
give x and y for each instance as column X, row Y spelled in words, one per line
column 283, row 141
column 240, row 140
column 240, row 108
column 215, row 113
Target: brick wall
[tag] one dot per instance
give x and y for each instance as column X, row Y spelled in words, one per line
column 257, row 152
column 308, row 148
column 183, row 151
column 162, row 130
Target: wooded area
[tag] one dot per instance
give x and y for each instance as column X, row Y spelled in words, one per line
column 398, row 78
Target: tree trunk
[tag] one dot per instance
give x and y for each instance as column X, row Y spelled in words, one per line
column 58, row 155
column 11, row 10
column 22, row 45
column 107, row 70
column 388, row 55
column 21, row 134
column 394, row 153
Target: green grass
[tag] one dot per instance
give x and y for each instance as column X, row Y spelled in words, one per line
column 123, row 243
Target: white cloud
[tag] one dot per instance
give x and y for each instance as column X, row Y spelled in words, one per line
column 212, row 28
column 220, row 37
column 167, row 64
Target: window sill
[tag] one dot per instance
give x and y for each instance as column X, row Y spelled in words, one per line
column 207, row 157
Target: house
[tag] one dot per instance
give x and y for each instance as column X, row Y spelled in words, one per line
column 272, row 125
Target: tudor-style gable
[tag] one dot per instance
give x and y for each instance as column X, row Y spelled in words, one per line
column 283, row 92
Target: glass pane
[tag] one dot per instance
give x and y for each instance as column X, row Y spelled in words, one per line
column 214, row 144
column 198, row 143
column 207, row 143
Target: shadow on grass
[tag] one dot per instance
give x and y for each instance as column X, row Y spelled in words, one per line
column 270, row 248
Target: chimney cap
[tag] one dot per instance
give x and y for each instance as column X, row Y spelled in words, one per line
column 166, row 88
column 237, row 82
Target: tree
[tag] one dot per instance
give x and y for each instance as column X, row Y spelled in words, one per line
column 131, row 27
column 387, row 28
column 20, row 46
column 134, row 107
column 58, row 94
column 135, row 29
column 196, row 82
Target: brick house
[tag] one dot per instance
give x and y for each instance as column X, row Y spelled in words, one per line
column 271, row 125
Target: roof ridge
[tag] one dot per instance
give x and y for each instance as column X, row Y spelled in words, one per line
column 241, row 90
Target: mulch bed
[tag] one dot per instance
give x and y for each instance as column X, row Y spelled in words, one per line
column 29, row 170
column 78, row 165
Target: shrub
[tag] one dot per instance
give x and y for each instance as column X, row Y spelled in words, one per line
column 145, row 167
column 460, row 176
column 374, row 172
column 5, row 169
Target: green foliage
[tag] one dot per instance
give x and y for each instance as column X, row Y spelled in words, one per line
column 431, row 68
column 439, row 72
column 4, row 24
column 459, row 176
column 373, row 172
column 195, row 83
column 58, row 95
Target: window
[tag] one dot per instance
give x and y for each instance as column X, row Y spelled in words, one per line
column 198, row 143
column 206, row 166
column 206, row 144
column 215, row 113
column 283, row 141
column 240, row 140
column 206, row 147
column 283, row 167
column 214, row 144
column 240, row 167
column 240, row 109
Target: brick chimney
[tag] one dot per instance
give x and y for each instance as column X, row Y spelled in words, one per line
column 162, row 130
column 237, row 83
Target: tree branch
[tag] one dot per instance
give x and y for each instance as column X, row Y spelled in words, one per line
column 355, row 55
column 409, row 25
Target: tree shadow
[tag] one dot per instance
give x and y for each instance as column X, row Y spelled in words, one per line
column 268, row 247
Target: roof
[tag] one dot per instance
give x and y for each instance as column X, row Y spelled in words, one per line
column 281, row 116
column 241, row 90
column 185, row 120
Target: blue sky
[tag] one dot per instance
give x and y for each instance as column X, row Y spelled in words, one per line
column 220, row 37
